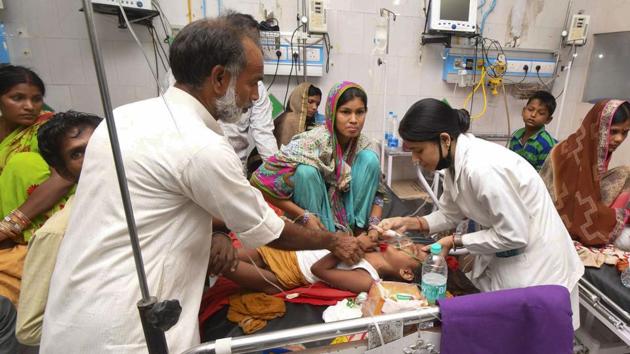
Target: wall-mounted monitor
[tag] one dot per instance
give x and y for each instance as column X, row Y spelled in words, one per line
column 453, row 16
column 608, row 70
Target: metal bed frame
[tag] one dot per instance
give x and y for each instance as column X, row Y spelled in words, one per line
column 612, row 316
column 306, row 334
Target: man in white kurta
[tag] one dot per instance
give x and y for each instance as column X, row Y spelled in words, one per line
column 181, row 173
column 255, row 126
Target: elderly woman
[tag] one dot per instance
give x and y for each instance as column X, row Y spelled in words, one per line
column 328, row 177
column 28, row 190
column 591, row 199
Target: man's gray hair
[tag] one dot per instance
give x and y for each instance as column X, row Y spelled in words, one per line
column 204, row 44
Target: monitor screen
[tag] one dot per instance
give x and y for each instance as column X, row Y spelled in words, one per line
column 454, row 10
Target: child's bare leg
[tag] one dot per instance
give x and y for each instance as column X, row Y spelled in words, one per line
column 247, row 276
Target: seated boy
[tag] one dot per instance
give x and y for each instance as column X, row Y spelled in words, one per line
column 271, row 271
column 533, row 142
column 62, row 143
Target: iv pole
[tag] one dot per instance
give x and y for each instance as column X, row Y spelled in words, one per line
column 156, row 317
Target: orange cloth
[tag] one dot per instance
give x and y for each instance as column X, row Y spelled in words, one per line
column 251, row 311
column 11, row 265
column 284, row 265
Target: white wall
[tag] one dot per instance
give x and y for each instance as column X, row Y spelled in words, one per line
column 53, row 41
column 50, row 36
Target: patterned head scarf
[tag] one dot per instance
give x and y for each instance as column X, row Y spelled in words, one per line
column 578, row 164
column 331, row 114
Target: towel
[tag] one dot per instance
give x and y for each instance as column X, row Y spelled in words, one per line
column 528, row 321
column 251, row 311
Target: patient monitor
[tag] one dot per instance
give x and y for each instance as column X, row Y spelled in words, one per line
column 453, row 16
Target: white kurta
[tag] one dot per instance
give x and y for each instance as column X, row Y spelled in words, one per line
column 181, row 172
column 256, row 126
column 503, row 193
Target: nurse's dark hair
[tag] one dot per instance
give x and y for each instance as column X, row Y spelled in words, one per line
column 13, row 75
column 426, row 119
column 622, row 113
column 204, row 44
column 51, row 134
column 351, row 93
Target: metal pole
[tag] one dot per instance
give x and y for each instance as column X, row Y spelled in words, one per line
column 305, row 334
column 156, row 341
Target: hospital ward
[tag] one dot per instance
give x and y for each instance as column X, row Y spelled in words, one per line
column 315, row 176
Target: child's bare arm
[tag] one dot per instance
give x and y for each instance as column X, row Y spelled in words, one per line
column 355, row 280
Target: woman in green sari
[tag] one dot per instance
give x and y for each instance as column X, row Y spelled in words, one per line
column 29, row 192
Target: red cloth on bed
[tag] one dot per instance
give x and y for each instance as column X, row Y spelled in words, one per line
column 318, row 294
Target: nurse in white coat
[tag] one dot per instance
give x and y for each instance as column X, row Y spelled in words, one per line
column 523, row 241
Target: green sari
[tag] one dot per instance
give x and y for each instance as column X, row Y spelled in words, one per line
column 22, row 169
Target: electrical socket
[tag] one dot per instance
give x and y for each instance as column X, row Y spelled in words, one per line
column 517, row 66
column 546, row 67
column 313, row 54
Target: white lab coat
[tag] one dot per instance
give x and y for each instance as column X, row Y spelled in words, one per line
column 503, row 193
column 255, row 126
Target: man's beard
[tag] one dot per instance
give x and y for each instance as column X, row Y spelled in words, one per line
column 228, row 110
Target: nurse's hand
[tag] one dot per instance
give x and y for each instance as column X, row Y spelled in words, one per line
column 396, row 223
column 401, row 224
column 446, row 242
column 223, row 255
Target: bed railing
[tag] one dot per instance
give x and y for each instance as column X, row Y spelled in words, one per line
column 604, row 305
column 258, row 342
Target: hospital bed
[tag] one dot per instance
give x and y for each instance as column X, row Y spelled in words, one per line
column 326, row 332
column 605, row 303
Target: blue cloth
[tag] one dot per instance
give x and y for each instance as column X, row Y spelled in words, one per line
column 516, row 321
column 311, row 193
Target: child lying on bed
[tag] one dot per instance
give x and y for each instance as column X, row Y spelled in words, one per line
column 274, row 269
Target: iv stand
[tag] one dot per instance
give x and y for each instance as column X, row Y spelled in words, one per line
column 156, row 317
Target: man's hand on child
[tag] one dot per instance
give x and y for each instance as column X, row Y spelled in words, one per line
column 223, row 255
column 346, row 248
column 368, row 241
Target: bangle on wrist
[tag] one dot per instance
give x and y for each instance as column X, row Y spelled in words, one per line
column 374, row 220
column 421, row 224
column 458, row 241
column 304, row 218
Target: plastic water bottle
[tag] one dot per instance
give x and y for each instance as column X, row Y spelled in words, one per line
column 393, row 142
column 434, row 273
column 625, row 277
column 388, row 128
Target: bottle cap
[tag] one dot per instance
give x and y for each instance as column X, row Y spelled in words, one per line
column 436, row 248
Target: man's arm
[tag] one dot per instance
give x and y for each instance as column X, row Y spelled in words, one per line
column 213, row 179
column 296, row 237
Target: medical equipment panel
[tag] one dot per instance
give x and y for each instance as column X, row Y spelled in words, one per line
column 134, row 4
column 283, row 57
